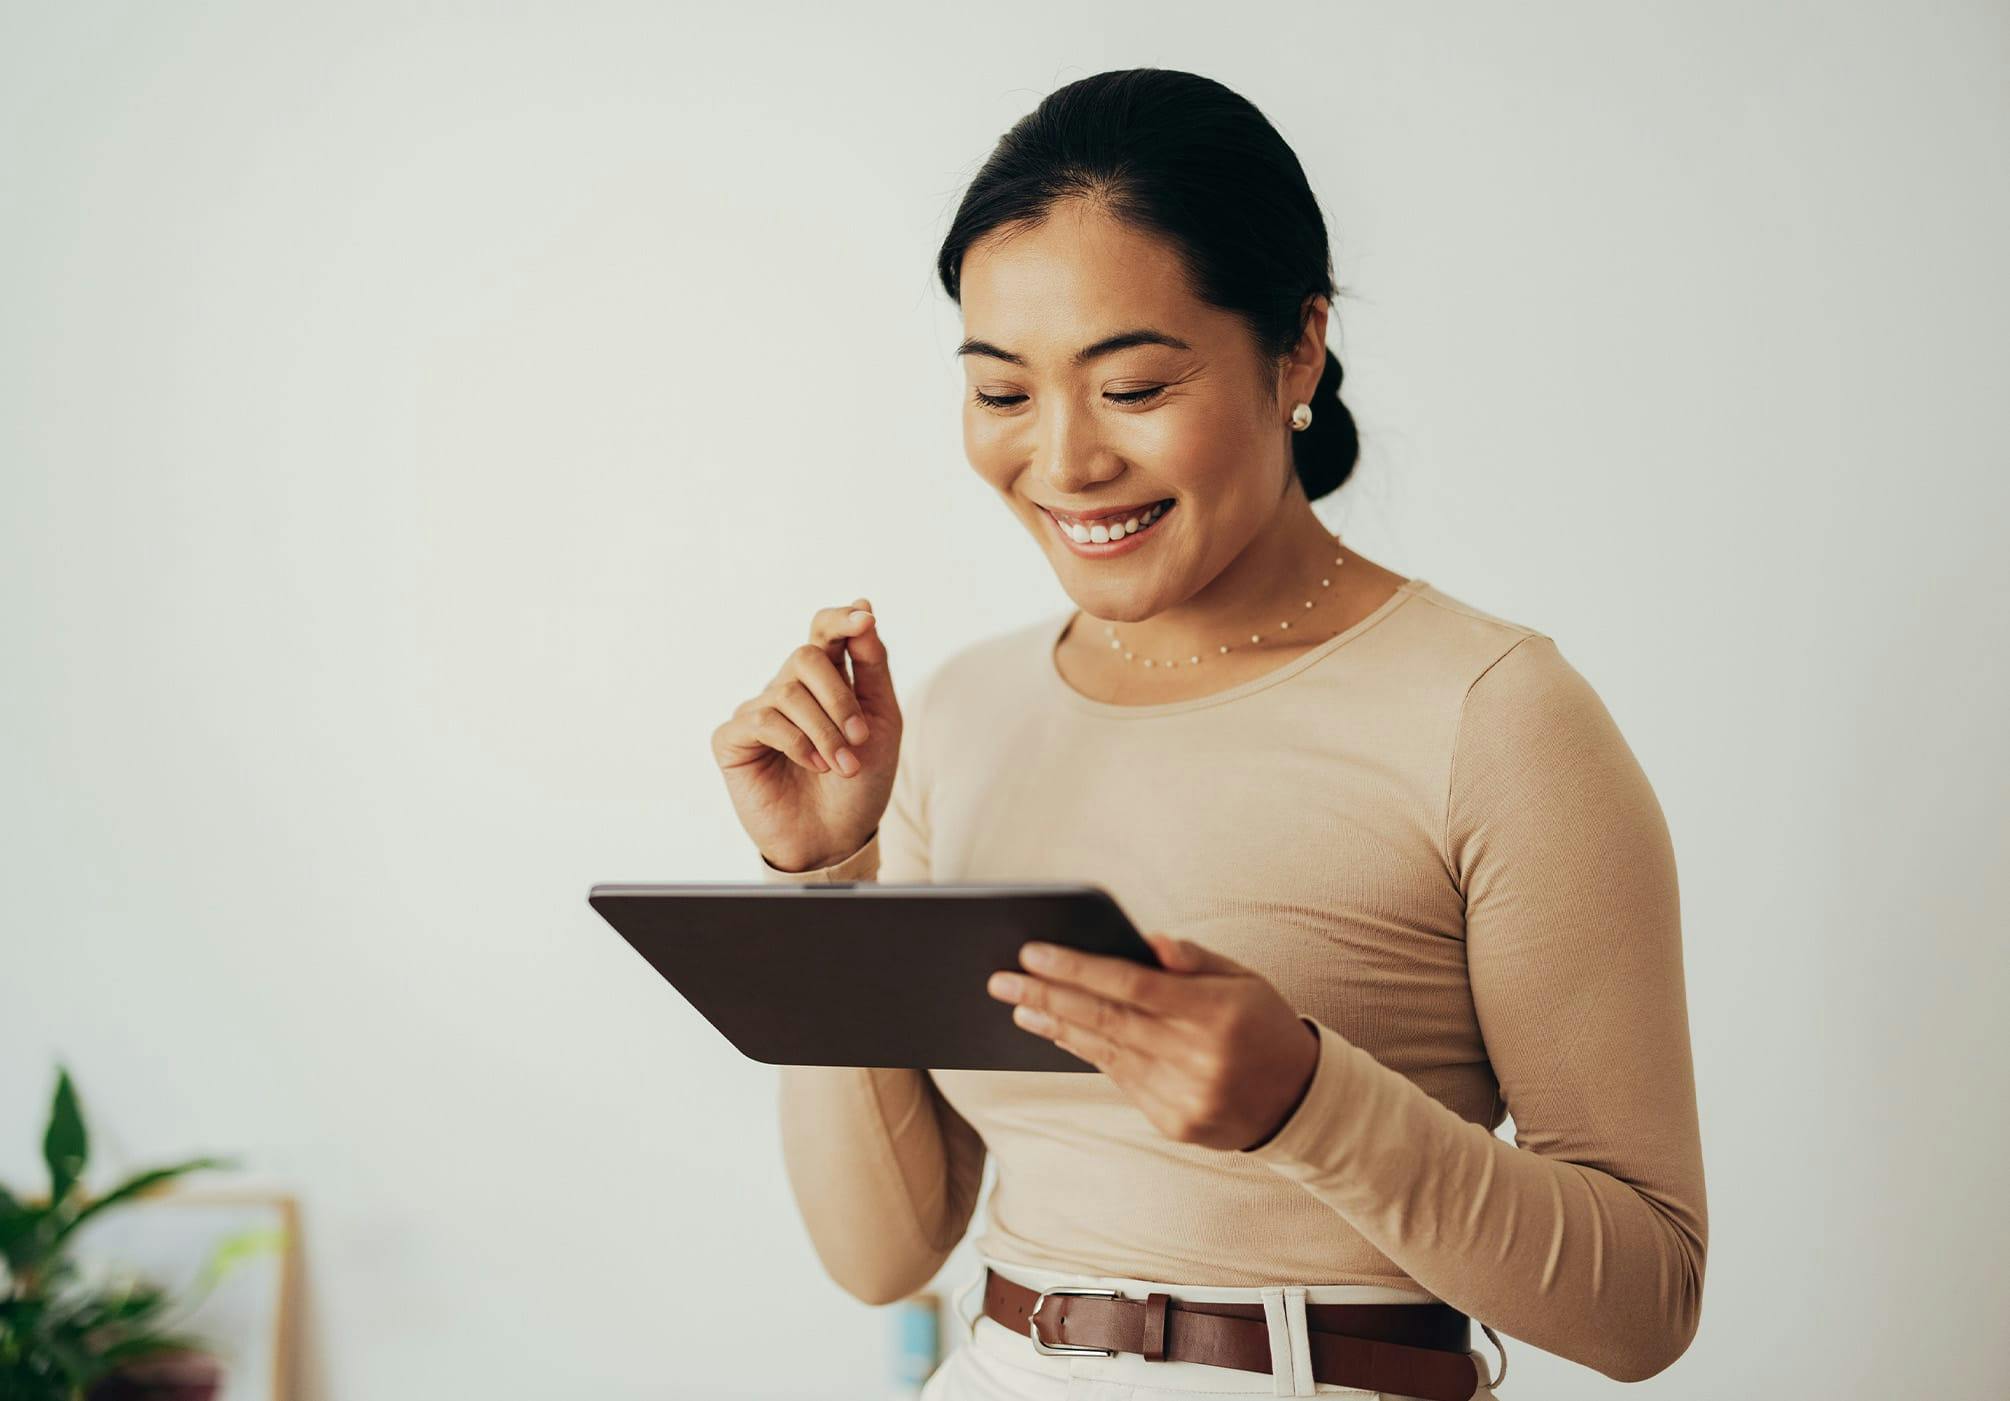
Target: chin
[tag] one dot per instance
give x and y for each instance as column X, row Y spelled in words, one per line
column 1121, row 608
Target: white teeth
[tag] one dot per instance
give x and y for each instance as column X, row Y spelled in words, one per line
column 1102, row 533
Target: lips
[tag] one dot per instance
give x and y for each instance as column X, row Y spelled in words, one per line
column 1102, row 517
column 1119, row 541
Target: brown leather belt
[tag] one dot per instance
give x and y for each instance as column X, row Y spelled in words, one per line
column 1409, row 1349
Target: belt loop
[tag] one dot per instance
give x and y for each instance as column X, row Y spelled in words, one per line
column 1285, row 1383
column 1501, row 1348
column 1301, row 1339
column 956, row 1304
column 1154, row 1347
column 1290, row 1347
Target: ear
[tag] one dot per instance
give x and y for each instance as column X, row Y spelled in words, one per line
column 1307, row 363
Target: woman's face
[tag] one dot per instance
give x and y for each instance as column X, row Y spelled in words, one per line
column 1087, row 426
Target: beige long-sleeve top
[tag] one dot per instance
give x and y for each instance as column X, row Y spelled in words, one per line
column 1429, row 834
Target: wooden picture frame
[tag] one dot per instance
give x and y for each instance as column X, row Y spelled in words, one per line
column 252, row 1312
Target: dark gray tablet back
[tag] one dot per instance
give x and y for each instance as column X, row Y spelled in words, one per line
column 865, row 973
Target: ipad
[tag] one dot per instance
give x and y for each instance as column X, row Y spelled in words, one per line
column 865, row 973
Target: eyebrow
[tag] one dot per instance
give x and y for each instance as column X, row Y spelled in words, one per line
column 1108, row 345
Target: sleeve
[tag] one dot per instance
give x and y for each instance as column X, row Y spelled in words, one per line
column 884, row 1172
column 1586, row 1236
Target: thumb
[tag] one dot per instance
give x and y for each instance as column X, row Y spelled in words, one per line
column 871, row 677
column 1185, row 956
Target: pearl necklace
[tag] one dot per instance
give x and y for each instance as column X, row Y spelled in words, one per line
column 1256, row 637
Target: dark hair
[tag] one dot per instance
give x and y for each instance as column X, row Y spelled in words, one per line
column 1185, row 158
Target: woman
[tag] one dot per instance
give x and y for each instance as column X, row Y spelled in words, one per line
column 1410, row 876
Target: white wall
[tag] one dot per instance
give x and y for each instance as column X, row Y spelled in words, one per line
column 420, row 426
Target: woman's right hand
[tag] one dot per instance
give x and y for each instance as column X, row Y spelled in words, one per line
column 808, row 790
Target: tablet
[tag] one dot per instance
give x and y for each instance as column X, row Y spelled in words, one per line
column 865, row 973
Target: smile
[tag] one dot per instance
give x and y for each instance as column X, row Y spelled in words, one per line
column 1107, row 538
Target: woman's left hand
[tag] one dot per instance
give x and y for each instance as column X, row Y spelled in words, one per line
column 1208, row 1049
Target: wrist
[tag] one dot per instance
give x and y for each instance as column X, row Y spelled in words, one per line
column 1304, row 1088
column 789, row 863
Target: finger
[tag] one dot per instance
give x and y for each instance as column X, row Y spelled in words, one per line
column 1142, row 1078
column 1114, row 1022
column 828, row 625
column 832, row 629
column 793, row 699
column 871, row 676
column 1098, row 1050
column 753, row 732
column 851, row 634
column 778, row 732
column 815, row 669
column 1155, row 990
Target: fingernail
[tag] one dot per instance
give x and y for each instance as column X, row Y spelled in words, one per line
column 823, row 764
column 859, row 615
column 855, row 729
column 848, row 761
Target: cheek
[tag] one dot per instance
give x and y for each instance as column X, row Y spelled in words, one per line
column 1189, row 448
column 989, row 450
column 1192, row 446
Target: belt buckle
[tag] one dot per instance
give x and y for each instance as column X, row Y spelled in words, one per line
column 1040, row 1344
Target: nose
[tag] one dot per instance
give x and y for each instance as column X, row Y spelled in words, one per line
column 1071, row 448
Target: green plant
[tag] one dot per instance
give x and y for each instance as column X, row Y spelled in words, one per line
column 57, row 1336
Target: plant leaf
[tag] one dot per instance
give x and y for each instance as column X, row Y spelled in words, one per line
column 126, row 1309
column 80, row 1368
column 147, row 1344
column 234, row 1250
column 65, row 1146
column 135, row 1186
column 16, row 1222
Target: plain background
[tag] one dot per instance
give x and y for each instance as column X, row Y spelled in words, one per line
column 422, row 424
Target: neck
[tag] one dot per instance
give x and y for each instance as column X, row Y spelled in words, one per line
column 1266, row 583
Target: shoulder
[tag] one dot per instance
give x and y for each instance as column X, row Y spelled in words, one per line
column 979, row 676
column 1466, row 640
column 1536, row 757
column 1526, row 718
column 997, row 665
column 1508, row 684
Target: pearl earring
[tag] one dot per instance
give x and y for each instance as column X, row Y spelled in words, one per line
column 1301, row 417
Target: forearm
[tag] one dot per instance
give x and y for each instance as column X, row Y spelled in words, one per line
column 885, row 1174
column 1561, row 1254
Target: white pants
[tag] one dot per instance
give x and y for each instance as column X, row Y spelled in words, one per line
column 990, row 1362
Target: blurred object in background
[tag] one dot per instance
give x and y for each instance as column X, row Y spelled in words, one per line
column 75, row 1323
column 916, row 1330
column 230, row 1257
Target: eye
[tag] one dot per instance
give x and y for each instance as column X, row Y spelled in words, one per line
column 1138, row 396
column 1006, row 401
